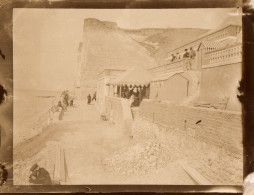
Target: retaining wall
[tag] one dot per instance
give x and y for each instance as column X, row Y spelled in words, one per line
column 217, row 127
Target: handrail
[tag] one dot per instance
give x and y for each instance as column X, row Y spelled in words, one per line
column 224, row 54
column 47, row 117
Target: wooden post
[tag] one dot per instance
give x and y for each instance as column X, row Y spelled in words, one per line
column 62, row 166
column 120, row 91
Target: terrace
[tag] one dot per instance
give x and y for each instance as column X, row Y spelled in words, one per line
column 223, row 56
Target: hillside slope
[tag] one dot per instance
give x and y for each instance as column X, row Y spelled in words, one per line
column 160, row 41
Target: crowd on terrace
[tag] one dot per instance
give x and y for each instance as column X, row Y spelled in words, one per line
column 188, row 54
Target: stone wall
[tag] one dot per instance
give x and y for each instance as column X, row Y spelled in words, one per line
column 216, row 127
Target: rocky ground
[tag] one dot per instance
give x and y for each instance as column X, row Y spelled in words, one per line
column 216, row 164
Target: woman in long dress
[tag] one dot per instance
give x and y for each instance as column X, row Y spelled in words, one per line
column 88, row 99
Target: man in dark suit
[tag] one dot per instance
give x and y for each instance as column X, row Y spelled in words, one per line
column 39, row 175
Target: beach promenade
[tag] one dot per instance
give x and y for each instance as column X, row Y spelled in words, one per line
column 87, row 141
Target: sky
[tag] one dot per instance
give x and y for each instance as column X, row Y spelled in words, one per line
column 46, row 40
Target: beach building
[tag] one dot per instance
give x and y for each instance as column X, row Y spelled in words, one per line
column 104, row 87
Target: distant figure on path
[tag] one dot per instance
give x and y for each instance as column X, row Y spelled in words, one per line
column 89, row 99
column 71, row 102
column 66, row 97
column 94, row 96
column 39, row 175
column 60, row 117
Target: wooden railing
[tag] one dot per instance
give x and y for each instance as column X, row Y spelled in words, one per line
column 225, row 54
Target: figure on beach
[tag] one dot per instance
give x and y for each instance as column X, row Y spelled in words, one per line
column 71, row 102
column 89, row 99
column 39, row 175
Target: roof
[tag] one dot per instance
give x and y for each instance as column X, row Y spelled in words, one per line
column 164, row 77
column 209, row 45
column 136, row 75
column 230, row 21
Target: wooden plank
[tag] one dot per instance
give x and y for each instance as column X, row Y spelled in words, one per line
column 62, row 166
column 194, row 174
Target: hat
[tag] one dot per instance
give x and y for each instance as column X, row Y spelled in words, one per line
column 34, row 167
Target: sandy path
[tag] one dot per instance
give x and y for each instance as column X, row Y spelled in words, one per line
column 87, row 141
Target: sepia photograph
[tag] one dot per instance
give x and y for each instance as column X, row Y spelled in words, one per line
column 127, row 96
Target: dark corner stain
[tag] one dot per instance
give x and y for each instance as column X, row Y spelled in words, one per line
column 3, row 93
column 3, row 174
column 198, row 122
column 240, row 89
column 2, row 55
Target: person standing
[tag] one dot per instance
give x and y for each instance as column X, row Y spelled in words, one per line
column 94, row 96
column 186, row 54
column 178, row 57
column 173, row 58
column 192, row 53
column 89, row 99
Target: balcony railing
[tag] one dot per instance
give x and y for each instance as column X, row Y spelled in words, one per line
column 223, row 55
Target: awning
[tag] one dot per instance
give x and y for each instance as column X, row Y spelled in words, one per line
column 136, row 75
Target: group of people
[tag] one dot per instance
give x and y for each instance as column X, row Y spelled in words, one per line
column 65, row 100
column 188, row 54
column 90, row 99
column 135, row 94
column 63, row 103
